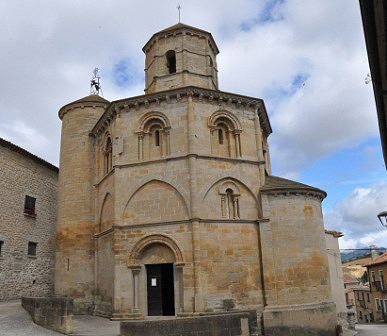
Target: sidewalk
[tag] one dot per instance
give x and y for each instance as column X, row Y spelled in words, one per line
column 15, row 321
column 349, row 332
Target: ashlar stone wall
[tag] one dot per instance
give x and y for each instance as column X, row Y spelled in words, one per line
column 23, row 174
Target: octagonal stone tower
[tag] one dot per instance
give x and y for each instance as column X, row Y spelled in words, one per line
column 180, row 56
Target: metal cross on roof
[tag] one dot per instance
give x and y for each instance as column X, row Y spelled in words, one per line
column 179, row 8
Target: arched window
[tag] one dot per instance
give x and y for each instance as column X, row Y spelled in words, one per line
column 108, row 156
column 171, row 61
column 225, row 132
column 153, row 136
column 230, row 200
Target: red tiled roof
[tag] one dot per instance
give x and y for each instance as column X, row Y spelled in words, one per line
column 348, row 278
column 379, row 260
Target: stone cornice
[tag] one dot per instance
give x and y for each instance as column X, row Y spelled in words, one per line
column 190, row 220
column 206, row 94
column 312, row 193
column 181, row 29
column 90, row 101
column 145, row 163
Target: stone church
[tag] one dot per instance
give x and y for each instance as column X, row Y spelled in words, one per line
column 167, row 205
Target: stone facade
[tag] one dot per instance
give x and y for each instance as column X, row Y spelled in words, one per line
column 336, row 275
column 27, row 234
column 167, row 205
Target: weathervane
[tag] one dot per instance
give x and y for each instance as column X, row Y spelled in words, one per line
column 95, row 86
column 179, row 8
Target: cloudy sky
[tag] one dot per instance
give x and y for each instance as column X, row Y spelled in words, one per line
column 306, row 59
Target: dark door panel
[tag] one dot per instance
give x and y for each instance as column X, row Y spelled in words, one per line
column 160, row 288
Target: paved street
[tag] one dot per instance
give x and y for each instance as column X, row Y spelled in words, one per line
column 371, row 329
column 15, row 321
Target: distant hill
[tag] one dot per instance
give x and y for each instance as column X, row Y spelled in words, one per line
column 358, row 254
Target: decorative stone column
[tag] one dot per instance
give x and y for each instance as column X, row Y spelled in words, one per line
column 238, row 143
column 136, row 272
column 140, row 144
column 179, row 277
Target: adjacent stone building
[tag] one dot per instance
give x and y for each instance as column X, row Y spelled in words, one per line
column 336, row 275
column 28, row 196
column 167, row 205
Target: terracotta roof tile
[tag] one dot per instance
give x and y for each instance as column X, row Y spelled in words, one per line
column 349, row 278
column 379, row 260
column 275, row 183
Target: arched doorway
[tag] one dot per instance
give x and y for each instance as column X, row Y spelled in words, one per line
column 157, row 266
column 159, row 260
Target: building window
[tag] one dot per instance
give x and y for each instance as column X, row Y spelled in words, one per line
column 225, row 130
column 229, row 201
column 1, row 247
column 378, row 305
column 32, row 247
column 373, row 277
column 153, row 136
column 157, row 138
column 382, row 284
column 171, row 61
column 360, row 315
column 368, row 297
column 220, row 136
column 29, row 205
column 385, row 306
column 108, row 156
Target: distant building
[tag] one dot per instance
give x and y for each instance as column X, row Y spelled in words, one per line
column 377, row 272
column 363, row 304
column 350, row 283
column 28, row 190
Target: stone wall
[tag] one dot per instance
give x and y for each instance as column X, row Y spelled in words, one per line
column 232, row 324
column 24, row 174
column 336, row 275
column 296, row 272
column 52, row 313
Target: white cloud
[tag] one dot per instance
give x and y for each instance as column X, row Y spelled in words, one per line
column 356, row 216
column 49, row 50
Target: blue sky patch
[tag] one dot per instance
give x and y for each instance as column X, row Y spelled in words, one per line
column 269, row 14
column 345, row 170
column 125, row 74
column 276, row 94
column 270, row 11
